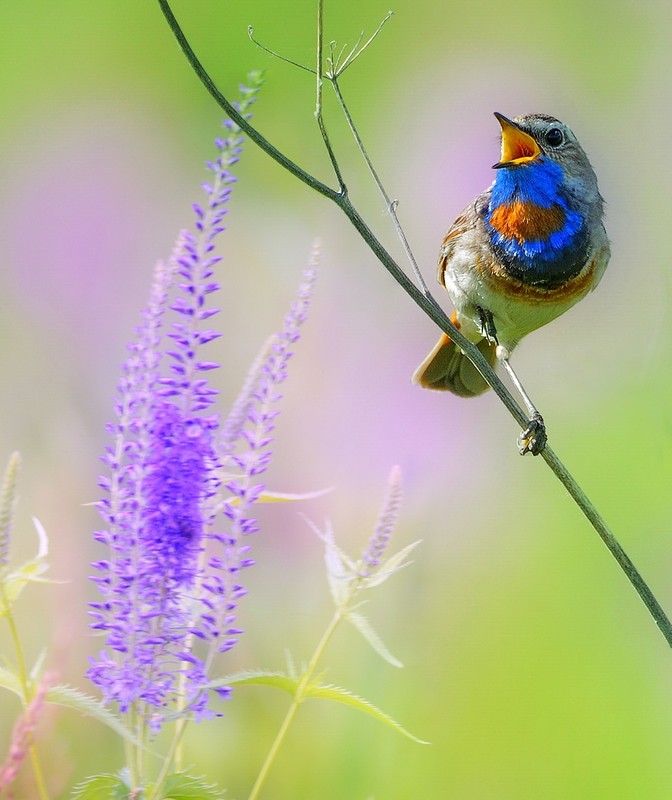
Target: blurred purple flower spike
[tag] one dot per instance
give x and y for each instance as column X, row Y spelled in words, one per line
column 179, row 486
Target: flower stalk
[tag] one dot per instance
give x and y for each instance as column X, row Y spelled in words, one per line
column 347, row 580
column 163, row 473
column 179, row 493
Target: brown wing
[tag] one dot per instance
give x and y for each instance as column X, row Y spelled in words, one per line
column 463, row 224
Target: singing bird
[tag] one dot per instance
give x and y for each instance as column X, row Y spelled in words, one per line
column 524, row 252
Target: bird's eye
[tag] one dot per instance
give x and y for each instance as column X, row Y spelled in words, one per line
column 554, row 137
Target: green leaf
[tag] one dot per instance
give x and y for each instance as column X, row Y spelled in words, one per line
column 364, row 627
column 327, row 691
column 184, row 787
column 340, row 568
column 101, row 787
column 280, row 497
column 287, row 497
column 393, row 564
column 338, row 695
column 258, row 678
column 177, row 787
column 69, row 697
column 16, row 582
column 279, row 680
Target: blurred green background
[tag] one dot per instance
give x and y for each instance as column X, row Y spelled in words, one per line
column 530, row 663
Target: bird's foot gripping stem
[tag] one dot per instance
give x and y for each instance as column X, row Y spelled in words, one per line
column 533, row 438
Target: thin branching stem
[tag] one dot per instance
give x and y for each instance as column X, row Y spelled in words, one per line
column 391, row 205
column 319, row 96
column 233, row 113
column 275, row 54
column 357, row 50
column 437, row 315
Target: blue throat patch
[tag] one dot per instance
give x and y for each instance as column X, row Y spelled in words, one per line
column 539, row 238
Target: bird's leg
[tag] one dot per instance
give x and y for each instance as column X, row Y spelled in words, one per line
column 487, row 324
column 533, row 438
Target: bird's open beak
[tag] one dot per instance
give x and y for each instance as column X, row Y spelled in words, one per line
column 518, row 147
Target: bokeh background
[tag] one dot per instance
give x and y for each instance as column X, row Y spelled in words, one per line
column 530, row 663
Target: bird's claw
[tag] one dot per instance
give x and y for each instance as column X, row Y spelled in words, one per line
column 533, row 438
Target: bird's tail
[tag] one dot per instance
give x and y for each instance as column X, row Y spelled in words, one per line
column 446, row 368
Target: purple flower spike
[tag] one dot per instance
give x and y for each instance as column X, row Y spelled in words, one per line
column 387, row 519
column 162, row 483
column 179, row 488
column 244, row 454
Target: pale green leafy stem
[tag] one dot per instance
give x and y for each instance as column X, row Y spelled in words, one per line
column 326, row 691
column 69, row 697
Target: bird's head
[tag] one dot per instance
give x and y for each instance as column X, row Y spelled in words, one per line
column 531, row 141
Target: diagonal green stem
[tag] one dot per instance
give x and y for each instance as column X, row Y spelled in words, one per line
column 299, row 697
column 431, row 308
column 612, row 544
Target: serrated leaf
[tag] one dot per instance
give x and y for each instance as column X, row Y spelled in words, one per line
column 185, row 787
column 393, row 564
column 364, row 627
column 327, row 691
column 259, row 678
column 69, row 697
column 101, row 787
column 339, row 695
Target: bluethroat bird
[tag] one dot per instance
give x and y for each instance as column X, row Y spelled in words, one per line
column 524, row 252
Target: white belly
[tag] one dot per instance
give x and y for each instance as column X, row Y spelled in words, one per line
column 513, row 316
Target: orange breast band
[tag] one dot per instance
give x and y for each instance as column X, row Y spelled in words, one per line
column 527, row 221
